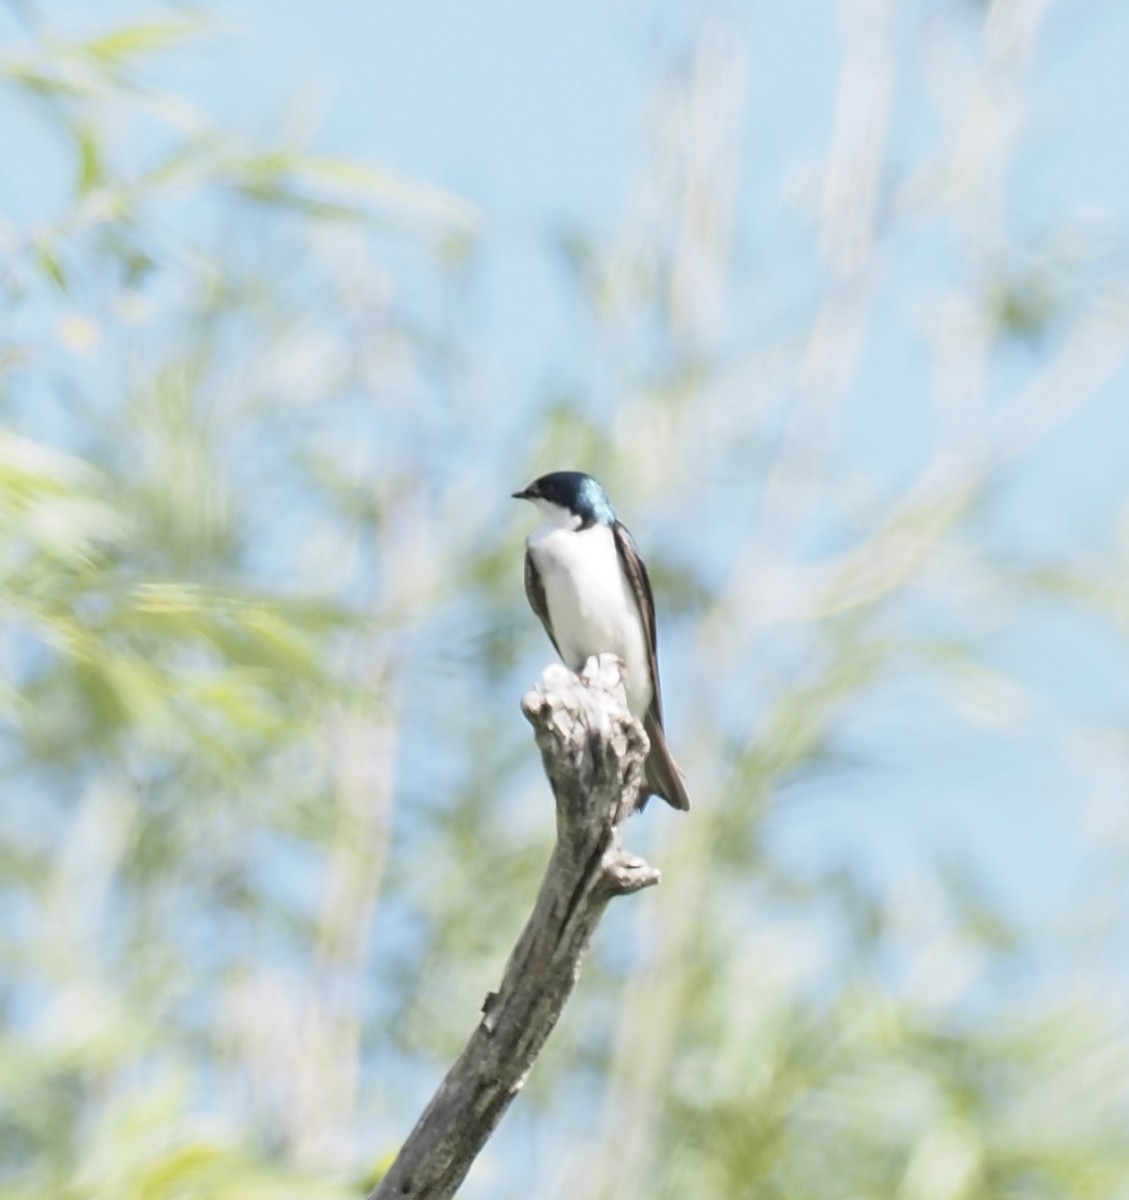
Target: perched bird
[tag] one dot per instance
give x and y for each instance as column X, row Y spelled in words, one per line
column 585, row 580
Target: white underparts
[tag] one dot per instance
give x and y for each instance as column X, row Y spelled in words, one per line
column 592, row 608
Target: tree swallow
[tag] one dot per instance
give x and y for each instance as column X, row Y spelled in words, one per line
column 585, row 580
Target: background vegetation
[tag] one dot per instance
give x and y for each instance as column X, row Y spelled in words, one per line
column 271, row 820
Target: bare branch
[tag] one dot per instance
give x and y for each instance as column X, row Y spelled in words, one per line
column 593, row 752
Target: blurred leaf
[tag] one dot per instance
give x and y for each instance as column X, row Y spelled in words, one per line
column 91, row 173
column 333, row 189
column 1023, row 306
column 51, row 264
column 396, row 192
column 134, row 41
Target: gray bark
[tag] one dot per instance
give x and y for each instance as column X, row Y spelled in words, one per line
column 593, row 752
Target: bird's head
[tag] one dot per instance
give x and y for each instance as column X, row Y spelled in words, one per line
column 569, row 498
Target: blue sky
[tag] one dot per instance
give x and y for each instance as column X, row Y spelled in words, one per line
column 538, row 115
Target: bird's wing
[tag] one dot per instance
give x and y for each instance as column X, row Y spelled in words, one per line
column 535, row 593
column 636, row 573
column 663, row 776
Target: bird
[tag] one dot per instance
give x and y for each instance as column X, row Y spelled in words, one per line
column 586, row 582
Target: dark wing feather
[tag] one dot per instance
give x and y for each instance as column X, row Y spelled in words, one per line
column 663, row 776
column 535, row 593
column 640, row 582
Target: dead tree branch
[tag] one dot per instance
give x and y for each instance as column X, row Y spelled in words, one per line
column 593, row 752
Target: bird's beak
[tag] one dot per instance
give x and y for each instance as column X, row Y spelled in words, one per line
column 524, row 494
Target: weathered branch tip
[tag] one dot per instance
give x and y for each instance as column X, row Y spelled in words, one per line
column 593, row 752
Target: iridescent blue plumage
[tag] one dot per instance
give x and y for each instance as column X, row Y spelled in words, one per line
column 579, row 493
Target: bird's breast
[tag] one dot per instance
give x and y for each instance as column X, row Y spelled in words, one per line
column 592, row 608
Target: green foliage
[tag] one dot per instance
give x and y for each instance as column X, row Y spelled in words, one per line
column 271, row 821
column 173, row 705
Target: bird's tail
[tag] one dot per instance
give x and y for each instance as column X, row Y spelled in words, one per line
column 663, row 776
